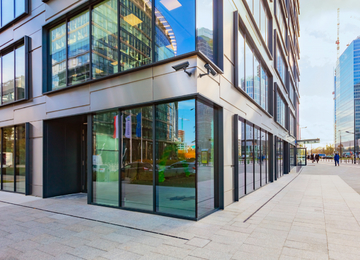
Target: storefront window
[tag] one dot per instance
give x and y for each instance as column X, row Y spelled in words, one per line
column 20, row 159
column 264, row 159
column 205, row 159
column 137, row 168
column 241, row 157
column 105, row 171
column 249, row 157
column 257, row 157
column 8, row 159
column 175, row 157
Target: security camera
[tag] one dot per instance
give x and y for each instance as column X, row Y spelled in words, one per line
column 182, row 66
column 209, row 70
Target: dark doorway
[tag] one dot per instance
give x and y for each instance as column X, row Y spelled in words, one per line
column 65, row 156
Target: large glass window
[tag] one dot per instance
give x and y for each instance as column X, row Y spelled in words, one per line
column 20, row 158
column 78, row 49
column 263, row 158
column 249, row 157
column 8, row 158
column 104, row 39
column 257, row 157
column 105, row 171
column 280, row 110
column 183, row 174
column 10, row 10
column 205, row 159
column 280, row 65
column 135, row 33
column 8, row 80
column 20, row 72
column 258, row 10
column 252, row 76
column 137, row 168
column 241, row 156
column 205, row 30
column 175, row 157
column 58, row 56
column 292, row 124
column 120, row 46
column 281, row 20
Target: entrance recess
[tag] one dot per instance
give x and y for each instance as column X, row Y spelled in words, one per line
column 65, row 156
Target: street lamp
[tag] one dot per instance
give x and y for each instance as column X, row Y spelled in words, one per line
column 354, row 145
column 340, row 143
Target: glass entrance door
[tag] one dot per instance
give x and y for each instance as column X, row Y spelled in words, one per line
column 301, row 156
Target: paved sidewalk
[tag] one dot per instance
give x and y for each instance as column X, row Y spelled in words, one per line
column 313, row 217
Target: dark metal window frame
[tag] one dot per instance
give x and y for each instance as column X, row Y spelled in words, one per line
column 278, row 92
column 284, row 15
column 239, row 26
column 218, row 65
column 27, row 159
column 236, row 119
column 266, row 42
column 28, row 68
column 16, row 19
column 279, row 47
column 218, row 155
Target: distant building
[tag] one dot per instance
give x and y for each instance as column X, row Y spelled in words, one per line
column 347, row 99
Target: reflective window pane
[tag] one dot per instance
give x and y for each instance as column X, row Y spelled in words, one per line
column 249, row 71
column 104, row 39
column 264, row 87
column 175, row 158
column 257, row 90
column 205, row 159
column 263, row 158
column 137, row 158
column 8, row 78
column 241, row 60
column 204, row 24
column 8, row 159
column 105, row 171
column 20, row 159
column 257, row 157
column 58, row 56
column 19, row 7
column 78, row 49
column 241, row 156
column 20, row 72
column 249, row 158
column 256, row 12
column 175, row 28
column 135, row 33
column 7, row 11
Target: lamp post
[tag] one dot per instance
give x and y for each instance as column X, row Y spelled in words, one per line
column 300, row 138
column 340, row 142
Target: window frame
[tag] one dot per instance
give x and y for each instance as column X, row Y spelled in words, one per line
column 280, row 50
column 26, row 41
column 16, row 19
column 239, row 27
column 278, row 93
column 218, row 65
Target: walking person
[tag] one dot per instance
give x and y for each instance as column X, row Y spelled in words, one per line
column 337, row 159
column 312, row 158
column 317, row 157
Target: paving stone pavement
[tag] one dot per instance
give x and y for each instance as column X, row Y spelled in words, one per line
column 316, row 216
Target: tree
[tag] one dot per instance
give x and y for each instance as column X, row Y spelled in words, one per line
column 330, row 149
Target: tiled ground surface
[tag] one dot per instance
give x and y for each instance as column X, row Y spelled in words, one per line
column 314, row 217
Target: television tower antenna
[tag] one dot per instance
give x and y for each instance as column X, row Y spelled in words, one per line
column 338, row 33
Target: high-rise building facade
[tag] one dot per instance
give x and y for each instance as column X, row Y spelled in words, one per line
column 347, row 100
column 172, row 107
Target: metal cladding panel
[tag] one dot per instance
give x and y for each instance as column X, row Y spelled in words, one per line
column 36, row 129
column 28, row 114
column 121, row 80
column 7, row 113
column 36, row 42
column 6, row 36
column 59, row 7
column 36, row 75
column 173, row 85
column 124, row 95
column 228, row 138
column 36, row 145
column 33, row 24
column 68, row 99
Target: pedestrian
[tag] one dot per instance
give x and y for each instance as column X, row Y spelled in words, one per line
column 336, row 159
column 317, row 157
column 312, row 158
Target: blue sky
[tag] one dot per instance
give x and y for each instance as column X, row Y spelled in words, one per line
column 318, row 33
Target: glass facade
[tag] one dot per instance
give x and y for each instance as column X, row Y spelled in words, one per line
column 105, row 46
column 281, row 20
column 279, row 157
column 253, row 162
column 13, row 163
column 181, row 181
column 280, row 65
column 258, row 10
column 12, row 78
column 252, row 75
column 347, row 100
column 10, row 10
column 280, row 110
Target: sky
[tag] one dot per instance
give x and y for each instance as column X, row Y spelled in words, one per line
column 318, row 34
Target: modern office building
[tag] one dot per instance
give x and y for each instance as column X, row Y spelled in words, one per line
column 172, row 107
column 347, row 100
